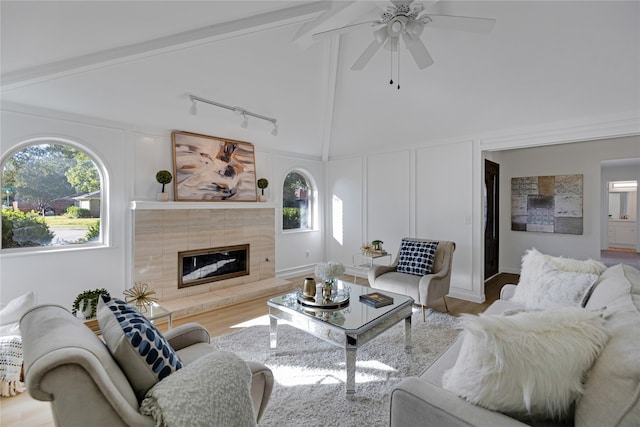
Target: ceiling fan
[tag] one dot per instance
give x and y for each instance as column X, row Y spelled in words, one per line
column 403, row 20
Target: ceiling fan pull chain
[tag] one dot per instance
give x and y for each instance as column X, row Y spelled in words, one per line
column 398, row 69
column 391, row 67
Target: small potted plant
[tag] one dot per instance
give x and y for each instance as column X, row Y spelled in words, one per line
column 377, row 245
column 163, row 177
column 262, row 184
column 86, row 303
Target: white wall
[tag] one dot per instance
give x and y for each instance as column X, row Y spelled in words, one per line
column 431, row 190
column 132, row 158
column 564, row 159
column 423, row 192
column 297, row 252
column 444, row 208
column 346, row 226
column 58, row 276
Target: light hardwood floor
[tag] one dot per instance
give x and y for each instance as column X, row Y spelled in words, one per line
column 22, row 410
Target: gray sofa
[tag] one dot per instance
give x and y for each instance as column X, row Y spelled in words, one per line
column 66, row 364
column 611, row 387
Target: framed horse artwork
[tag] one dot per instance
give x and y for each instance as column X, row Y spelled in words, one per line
column 208, row 168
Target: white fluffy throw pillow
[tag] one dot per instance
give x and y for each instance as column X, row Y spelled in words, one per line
column 556, row 288
column 530, row 363
column 538, row 277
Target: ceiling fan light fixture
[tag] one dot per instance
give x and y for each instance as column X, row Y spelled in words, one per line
column 415, row 28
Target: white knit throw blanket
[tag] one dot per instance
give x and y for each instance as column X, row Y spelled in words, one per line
column 10, row 365
column 214, row 390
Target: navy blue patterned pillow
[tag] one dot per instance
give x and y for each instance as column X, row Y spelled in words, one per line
column 416, row 257
column 142, row 352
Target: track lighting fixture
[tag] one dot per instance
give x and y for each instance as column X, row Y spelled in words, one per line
column 238, row 110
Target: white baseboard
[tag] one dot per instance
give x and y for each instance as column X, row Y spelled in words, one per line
column 467, row 296
column 296, row 271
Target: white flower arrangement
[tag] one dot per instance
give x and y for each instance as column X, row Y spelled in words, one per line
column 329, row 270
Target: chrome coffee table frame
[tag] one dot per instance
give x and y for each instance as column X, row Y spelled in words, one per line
column 360, row 323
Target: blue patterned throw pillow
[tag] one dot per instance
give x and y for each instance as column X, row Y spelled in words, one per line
column 142, row 352
column 416, row 257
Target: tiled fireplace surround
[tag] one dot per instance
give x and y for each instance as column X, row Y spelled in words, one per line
column 163, row 230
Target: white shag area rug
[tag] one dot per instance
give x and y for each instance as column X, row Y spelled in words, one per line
column 310, row 373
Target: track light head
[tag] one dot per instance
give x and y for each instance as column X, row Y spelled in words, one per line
column 238, row 110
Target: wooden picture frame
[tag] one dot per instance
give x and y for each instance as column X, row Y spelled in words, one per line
column 209, row 168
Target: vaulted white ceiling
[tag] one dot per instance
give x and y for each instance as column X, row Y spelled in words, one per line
column 136, row 63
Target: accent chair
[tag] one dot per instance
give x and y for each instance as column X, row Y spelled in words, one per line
column 66, row 364
column 406, row 275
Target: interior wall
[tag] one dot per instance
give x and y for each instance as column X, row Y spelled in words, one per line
column 132, row 158
column 563, row 159
column 444, row 206
column 297, row 252
column 346, row 227
column 58, row 276
column 423, row 192
column 390, row 198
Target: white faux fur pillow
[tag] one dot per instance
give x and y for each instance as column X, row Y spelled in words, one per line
column 528, row 290
column 530, row 363
column 556, row 288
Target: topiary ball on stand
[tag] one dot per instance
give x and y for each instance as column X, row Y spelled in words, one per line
column 163, row 177
column 262, row 184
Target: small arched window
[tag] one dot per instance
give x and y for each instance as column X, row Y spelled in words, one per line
column 297, row 202
column 51, row 196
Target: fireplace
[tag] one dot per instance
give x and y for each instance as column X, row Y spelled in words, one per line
column 213, row 264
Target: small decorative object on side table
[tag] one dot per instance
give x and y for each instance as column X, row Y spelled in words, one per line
column 141, row 296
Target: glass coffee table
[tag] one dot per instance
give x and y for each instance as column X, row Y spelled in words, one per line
column 349, row 323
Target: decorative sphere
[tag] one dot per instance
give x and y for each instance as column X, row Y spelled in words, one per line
column 164, row 177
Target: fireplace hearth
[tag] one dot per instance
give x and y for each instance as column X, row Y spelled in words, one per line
column 209, row 265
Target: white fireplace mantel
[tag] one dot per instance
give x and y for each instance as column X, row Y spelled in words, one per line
column 153, row 205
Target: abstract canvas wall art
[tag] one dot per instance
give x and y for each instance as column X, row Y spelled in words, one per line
column 207, row 168
column 548, row 204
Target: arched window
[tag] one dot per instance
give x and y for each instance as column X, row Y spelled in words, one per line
column 51, row 197
column 297, row 202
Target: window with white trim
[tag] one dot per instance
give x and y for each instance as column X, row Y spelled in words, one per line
column 51, row 197
column 297, row 202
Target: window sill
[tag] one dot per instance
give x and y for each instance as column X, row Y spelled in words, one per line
column 298, row 231
column 41, row 250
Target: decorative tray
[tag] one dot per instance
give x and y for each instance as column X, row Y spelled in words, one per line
column 340, row 299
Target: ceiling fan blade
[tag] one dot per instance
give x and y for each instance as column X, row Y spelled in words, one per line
column 460, row 23
column 341, row 30
column 418, row 51
column 398, row 3
column 380, row 36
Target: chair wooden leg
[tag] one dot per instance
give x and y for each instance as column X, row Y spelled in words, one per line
column 445, row 303
column 423, row 319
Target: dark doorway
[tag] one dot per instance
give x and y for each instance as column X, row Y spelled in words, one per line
column 491, row 229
